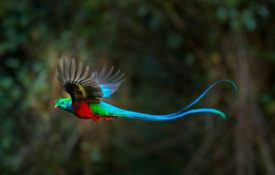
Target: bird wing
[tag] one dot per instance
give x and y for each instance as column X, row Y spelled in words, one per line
column 109, row 81
column 78, row 82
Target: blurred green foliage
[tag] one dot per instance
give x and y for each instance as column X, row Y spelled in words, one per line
column 170, row 52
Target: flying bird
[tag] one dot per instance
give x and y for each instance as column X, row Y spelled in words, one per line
column 87, row 91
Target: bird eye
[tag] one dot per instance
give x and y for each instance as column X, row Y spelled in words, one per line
column 62, row 102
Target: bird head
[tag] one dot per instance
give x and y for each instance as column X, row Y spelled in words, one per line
column 63, row 103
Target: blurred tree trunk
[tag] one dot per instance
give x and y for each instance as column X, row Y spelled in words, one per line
column 251, row 146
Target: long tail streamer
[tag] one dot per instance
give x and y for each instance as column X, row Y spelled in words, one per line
column 130, row 114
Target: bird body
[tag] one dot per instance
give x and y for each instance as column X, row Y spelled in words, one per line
column 87, row 93
column 104, row 110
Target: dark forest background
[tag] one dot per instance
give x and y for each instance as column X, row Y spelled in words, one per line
column 170, row 51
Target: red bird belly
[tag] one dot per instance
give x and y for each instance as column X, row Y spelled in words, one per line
column 84, row 111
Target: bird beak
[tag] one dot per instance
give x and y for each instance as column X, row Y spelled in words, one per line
column 55, row 106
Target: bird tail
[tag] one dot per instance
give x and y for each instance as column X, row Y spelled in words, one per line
column 181, row 113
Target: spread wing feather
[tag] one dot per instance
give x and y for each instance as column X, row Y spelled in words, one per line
column 109, row 81
column 78, row 83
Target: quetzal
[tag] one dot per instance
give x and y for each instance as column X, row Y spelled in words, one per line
column 87, row 90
